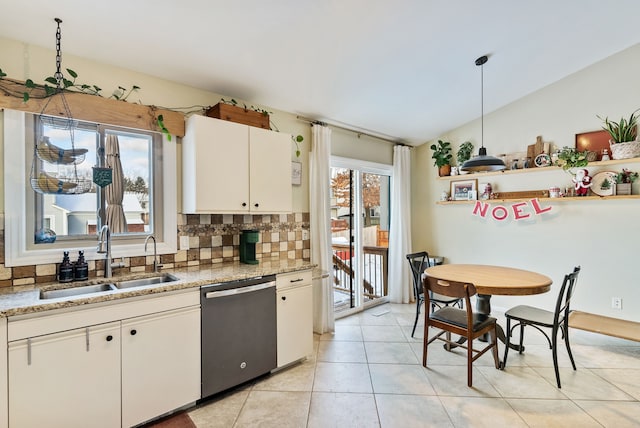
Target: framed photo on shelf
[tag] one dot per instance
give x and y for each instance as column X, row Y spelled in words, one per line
column 463, row 190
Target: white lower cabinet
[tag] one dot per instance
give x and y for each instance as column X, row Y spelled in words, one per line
column 294, row 316
column 160, row 364
column 69, row 379
column 4, row 373
column 144, row 361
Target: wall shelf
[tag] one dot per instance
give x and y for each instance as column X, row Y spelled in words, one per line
column 534, row 170
column 566, row 199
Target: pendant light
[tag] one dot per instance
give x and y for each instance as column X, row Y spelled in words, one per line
column 482, row 162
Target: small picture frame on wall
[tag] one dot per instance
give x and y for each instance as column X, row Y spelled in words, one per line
column 296, row 173
column 464, row 190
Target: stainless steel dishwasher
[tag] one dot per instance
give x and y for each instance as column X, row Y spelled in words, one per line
column 238, row 332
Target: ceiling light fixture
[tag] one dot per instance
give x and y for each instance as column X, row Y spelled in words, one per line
column 482, row 162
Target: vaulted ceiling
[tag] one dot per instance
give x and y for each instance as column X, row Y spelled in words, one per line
column 401, row 69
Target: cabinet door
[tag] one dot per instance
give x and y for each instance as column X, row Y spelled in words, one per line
column 4, row 381
column 215, row 166
column 295, row 324
column 270, row 165
column 160, row 364
column 68, row 379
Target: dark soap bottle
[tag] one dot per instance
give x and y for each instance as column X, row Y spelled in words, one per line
column 65, row 270
column 81, row 271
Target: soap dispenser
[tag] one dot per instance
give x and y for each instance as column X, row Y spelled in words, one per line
column 65, row 270
column 81, row 271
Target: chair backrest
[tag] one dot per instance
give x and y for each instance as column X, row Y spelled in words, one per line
column 459, row 290
column 564, row 297
column 418, row 262
column 450, row 288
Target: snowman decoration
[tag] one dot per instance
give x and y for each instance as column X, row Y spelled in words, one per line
column 582, row 182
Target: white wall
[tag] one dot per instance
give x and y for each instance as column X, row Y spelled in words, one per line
column 351, row 145
column 21, row 61
column 602, row 235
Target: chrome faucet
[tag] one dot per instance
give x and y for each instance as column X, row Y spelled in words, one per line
column 156, row 266
column 104, row 247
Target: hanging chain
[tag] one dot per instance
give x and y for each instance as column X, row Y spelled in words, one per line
column 58, row 74
column 60, row 91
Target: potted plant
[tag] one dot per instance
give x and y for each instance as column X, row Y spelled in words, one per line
column 231, row 110
column 569, row 158
column 624, row 179
column 623, row 134
column 464, row 154
column 442, row 155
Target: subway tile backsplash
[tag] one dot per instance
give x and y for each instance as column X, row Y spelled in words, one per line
column 213, row 238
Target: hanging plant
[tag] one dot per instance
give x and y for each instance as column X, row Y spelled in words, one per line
column 165, row 131
column 297, row 139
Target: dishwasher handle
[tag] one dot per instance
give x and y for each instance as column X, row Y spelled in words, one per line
column 239, row 290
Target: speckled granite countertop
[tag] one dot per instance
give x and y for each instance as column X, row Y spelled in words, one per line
column 25, row 299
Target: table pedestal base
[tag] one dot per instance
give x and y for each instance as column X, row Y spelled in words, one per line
column 483, row 306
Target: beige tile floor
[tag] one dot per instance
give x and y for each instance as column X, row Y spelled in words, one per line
column 369, row 374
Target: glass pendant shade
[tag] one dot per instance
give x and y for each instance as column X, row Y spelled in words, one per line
column 482, row 162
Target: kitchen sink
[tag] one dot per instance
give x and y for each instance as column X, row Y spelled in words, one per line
column 77, row 291
column 166, row 277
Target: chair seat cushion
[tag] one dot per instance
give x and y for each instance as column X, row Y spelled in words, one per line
column 458, row 317
column 531, row 314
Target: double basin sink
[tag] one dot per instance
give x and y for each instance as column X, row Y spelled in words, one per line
column 86, row 290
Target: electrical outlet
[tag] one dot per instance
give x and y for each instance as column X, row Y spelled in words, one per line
column 184, row 242
column 616, row 303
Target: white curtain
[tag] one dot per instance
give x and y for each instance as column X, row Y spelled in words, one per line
column 320, row 227
column 400, row 282
column 114, row 192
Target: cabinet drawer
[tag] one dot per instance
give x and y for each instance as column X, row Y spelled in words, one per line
column 22, row 327
column 293, row 279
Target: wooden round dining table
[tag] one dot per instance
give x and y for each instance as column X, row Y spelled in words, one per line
column 493, row 280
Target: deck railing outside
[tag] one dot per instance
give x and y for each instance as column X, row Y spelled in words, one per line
column 374, row 270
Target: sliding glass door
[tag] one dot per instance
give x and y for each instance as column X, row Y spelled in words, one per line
column 360, row 233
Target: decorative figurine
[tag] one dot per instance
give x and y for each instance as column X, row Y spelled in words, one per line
column 486, row 191
column 582, row 181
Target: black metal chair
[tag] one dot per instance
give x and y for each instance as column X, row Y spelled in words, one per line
column 419, row 262
column 557, row 321
column 463, row 322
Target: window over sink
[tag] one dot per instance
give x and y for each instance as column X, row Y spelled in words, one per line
column 149, row 172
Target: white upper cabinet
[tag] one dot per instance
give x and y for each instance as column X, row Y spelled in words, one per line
column 270, row 171
column 233, row 168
